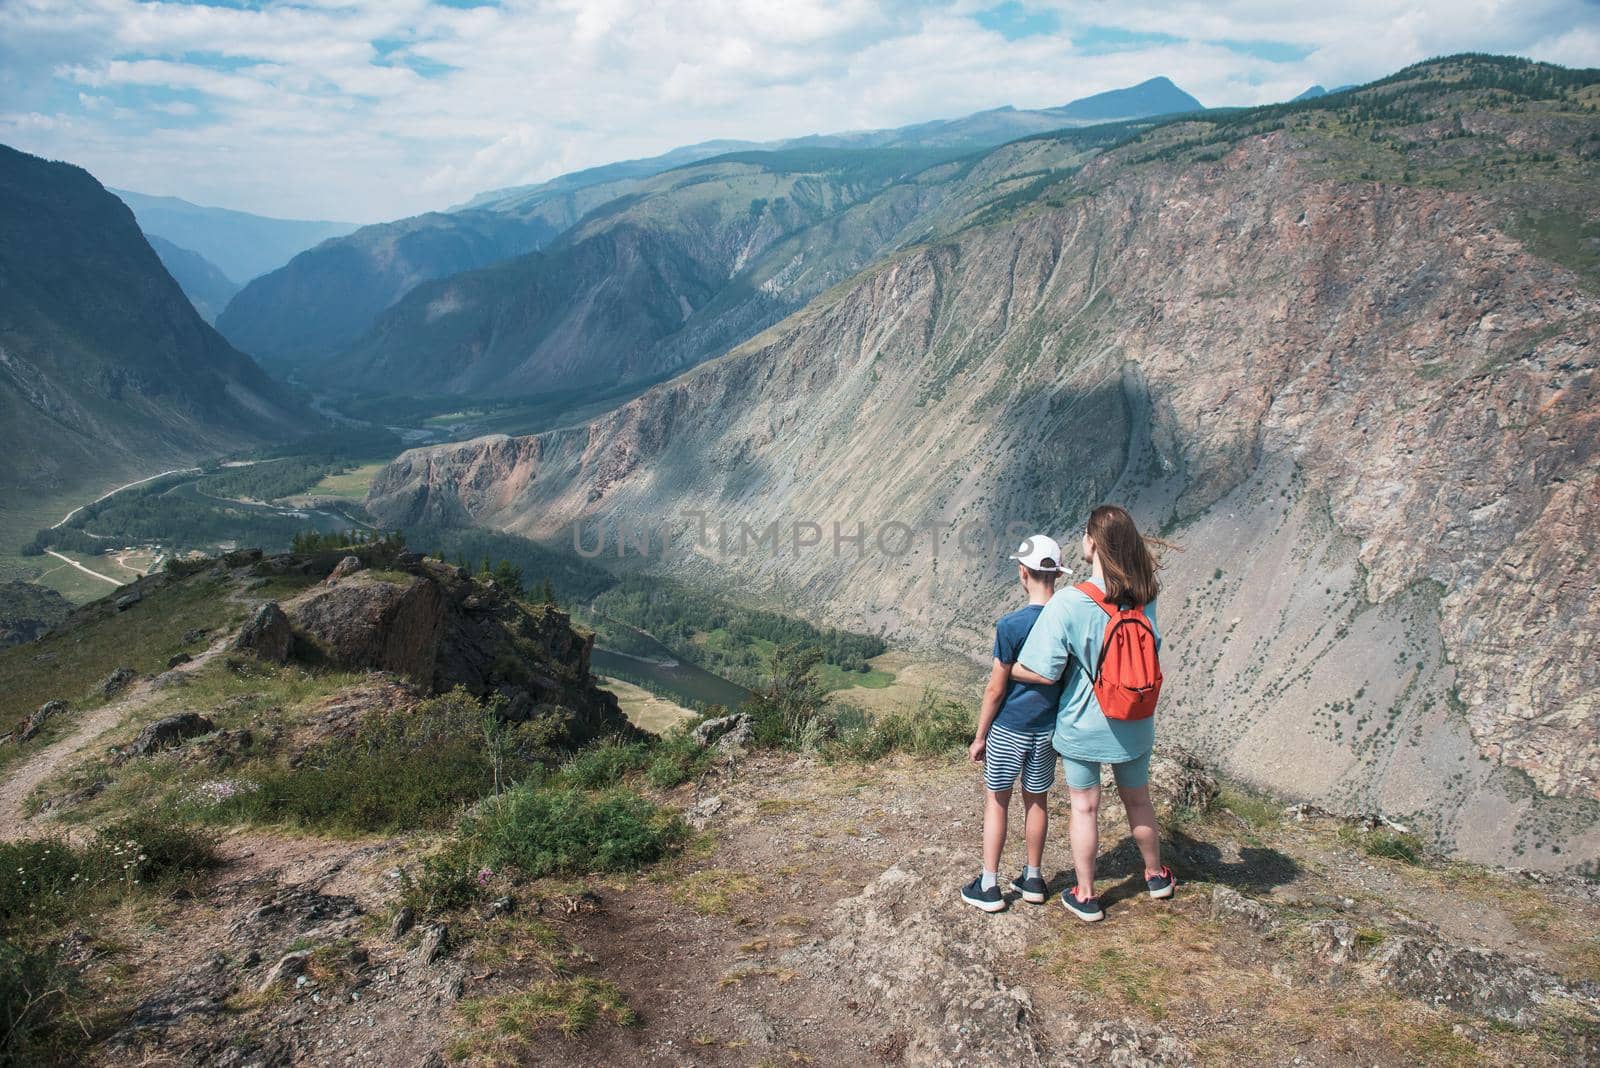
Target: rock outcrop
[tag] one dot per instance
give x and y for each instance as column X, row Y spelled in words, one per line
column 929, row 967
column 439, row 627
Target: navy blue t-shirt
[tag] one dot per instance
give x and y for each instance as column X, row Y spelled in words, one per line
column 1028, row 706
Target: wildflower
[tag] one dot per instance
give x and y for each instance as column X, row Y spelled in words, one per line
column 484, row 876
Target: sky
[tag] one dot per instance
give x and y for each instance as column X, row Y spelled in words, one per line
column 364, row 110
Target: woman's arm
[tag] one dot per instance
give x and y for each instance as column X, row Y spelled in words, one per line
column 993, row 693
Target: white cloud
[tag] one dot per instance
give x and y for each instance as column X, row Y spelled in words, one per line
column 368, row 109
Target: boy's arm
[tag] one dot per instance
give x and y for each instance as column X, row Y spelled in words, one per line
column 993, row 694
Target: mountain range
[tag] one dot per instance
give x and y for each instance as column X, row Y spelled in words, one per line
column 105, row 366
column 307, row 314
column 1340, row 351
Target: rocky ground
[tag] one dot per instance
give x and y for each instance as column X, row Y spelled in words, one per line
column 815, row 918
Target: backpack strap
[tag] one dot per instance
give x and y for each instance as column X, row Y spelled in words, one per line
column 1095, row 594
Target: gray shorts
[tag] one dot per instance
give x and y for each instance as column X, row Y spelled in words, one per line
column 1011, row 755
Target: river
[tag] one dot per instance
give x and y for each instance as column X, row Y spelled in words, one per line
column 671, row 673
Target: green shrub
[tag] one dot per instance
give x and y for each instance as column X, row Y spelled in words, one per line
column 937, row 725
column 604, row 764
column 675, row 759
column 790, row 711
column 40, row 874
column 544, row 831
column 1393, row 845
column 448, row 879
column 48, row 878
column 413, row 767
column 152, row 849
column 34, row 988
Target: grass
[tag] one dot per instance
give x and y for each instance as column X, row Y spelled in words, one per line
column 552, row 830
column 569, row 1006
column 1256, row 811
column 936, row 725
column 409, row 767
column 52, row 886
column 1386, row 844
column 714, row 891
column 351, row 485
column 70, row 666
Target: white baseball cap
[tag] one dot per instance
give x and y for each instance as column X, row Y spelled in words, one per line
column 1040, row 553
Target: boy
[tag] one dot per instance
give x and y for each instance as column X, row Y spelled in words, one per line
column 1015, row 727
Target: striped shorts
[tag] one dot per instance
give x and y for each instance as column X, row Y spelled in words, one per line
column 1010, row 755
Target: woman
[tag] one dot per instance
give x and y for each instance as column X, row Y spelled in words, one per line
column 1065, row 645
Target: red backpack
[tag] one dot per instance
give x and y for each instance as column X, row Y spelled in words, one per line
column 1127, row 680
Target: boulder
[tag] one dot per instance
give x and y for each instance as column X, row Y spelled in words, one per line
column 37, row 719
column 289, row 966
column 167, row 732
column 403, row 921
column 267, row 634
column 178, row 658
column 731, row 734
column 703, row 811
column 1332, row 941
column 194, row 634
column 344, row 568
column 387, row 626
column 1179, row 782
column 1228, row 904
column 128, row 600
column 1478, row 982
column 117, row 681
column 435, row 943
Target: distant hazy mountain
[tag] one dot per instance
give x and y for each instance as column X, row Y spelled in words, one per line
column 1312, row 93
column 208, row 289
column 105, row 366
column 982, row 129
column 328, row 296
column 242, row 245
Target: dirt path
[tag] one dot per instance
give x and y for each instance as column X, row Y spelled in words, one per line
column 87, row 728
column 80, row 567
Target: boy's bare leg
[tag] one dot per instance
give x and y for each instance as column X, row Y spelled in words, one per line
column 995, row 804
column 1036, row 814
column 1084, row 827
column 1142, row 822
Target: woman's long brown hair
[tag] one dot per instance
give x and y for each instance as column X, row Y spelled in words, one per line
column 1125, row 559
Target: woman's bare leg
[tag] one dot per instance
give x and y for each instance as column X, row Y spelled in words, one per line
column 1084, row 828
column 1142, row 822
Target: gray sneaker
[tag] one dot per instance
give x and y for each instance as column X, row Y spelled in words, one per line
column 1033, row 890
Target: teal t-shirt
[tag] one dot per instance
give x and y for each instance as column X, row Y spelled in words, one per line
column 1065, row 644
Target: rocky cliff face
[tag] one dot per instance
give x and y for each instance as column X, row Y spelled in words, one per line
column 1365, row 409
